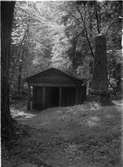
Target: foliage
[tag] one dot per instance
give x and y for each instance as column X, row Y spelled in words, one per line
column 61, row 34
column 37, row 29
column 84, row 20
column 115, row 65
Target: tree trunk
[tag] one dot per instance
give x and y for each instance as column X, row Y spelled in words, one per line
column 20, row 71
column 7, row 9
column 100, row 74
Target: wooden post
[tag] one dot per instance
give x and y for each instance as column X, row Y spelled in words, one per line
column 76, row 96
column 60, row 96
column 29, row 97
column 87, row 87
column 43, row 97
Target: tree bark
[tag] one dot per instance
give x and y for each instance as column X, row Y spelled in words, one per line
column 7, row 9
column 20, row 72
column 100, row 80
column 100, row 75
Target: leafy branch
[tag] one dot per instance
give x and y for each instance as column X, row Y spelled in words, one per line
column 86, row 32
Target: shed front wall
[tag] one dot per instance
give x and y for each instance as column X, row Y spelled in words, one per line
column 45, row 97
column 53, row 88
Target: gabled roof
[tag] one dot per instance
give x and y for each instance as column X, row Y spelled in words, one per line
column 52, row 69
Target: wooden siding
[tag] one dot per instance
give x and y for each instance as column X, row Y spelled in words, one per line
column 55, row 96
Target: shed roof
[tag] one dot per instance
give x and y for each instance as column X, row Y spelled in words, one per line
column 54, row 76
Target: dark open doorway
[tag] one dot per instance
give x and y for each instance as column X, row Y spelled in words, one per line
column 52, row 97
column 37, row 96
column 68, row 96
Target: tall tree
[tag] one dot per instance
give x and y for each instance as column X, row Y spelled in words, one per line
column 86, row 19
column 100, row 73
column 7, row 9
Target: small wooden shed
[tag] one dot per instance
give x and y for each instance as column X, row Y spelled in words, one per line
column 52, row 87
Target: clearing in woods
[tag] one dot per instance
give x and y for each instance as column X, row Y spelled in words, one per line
column 87, row 135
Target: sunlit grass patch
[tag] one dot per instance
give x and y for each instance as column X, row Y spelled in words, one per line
column 16, row 113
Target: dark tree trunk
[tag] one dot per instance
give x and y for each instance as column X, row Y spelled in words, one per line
column 100, row 74
column 7, row 9
column 100, row 82
column 20, row 72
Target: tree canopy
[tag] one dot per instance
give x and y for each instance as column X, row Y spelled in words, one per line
column 62, row 33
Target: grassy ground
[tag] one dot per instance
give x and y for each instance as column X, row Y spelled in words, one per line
column 86, row 135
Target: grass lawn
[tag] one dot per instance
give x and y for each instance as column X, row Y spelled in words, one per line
column 87, row 135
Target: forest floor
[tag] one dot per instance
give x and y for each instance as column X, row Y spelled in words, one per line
column 87, row 135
